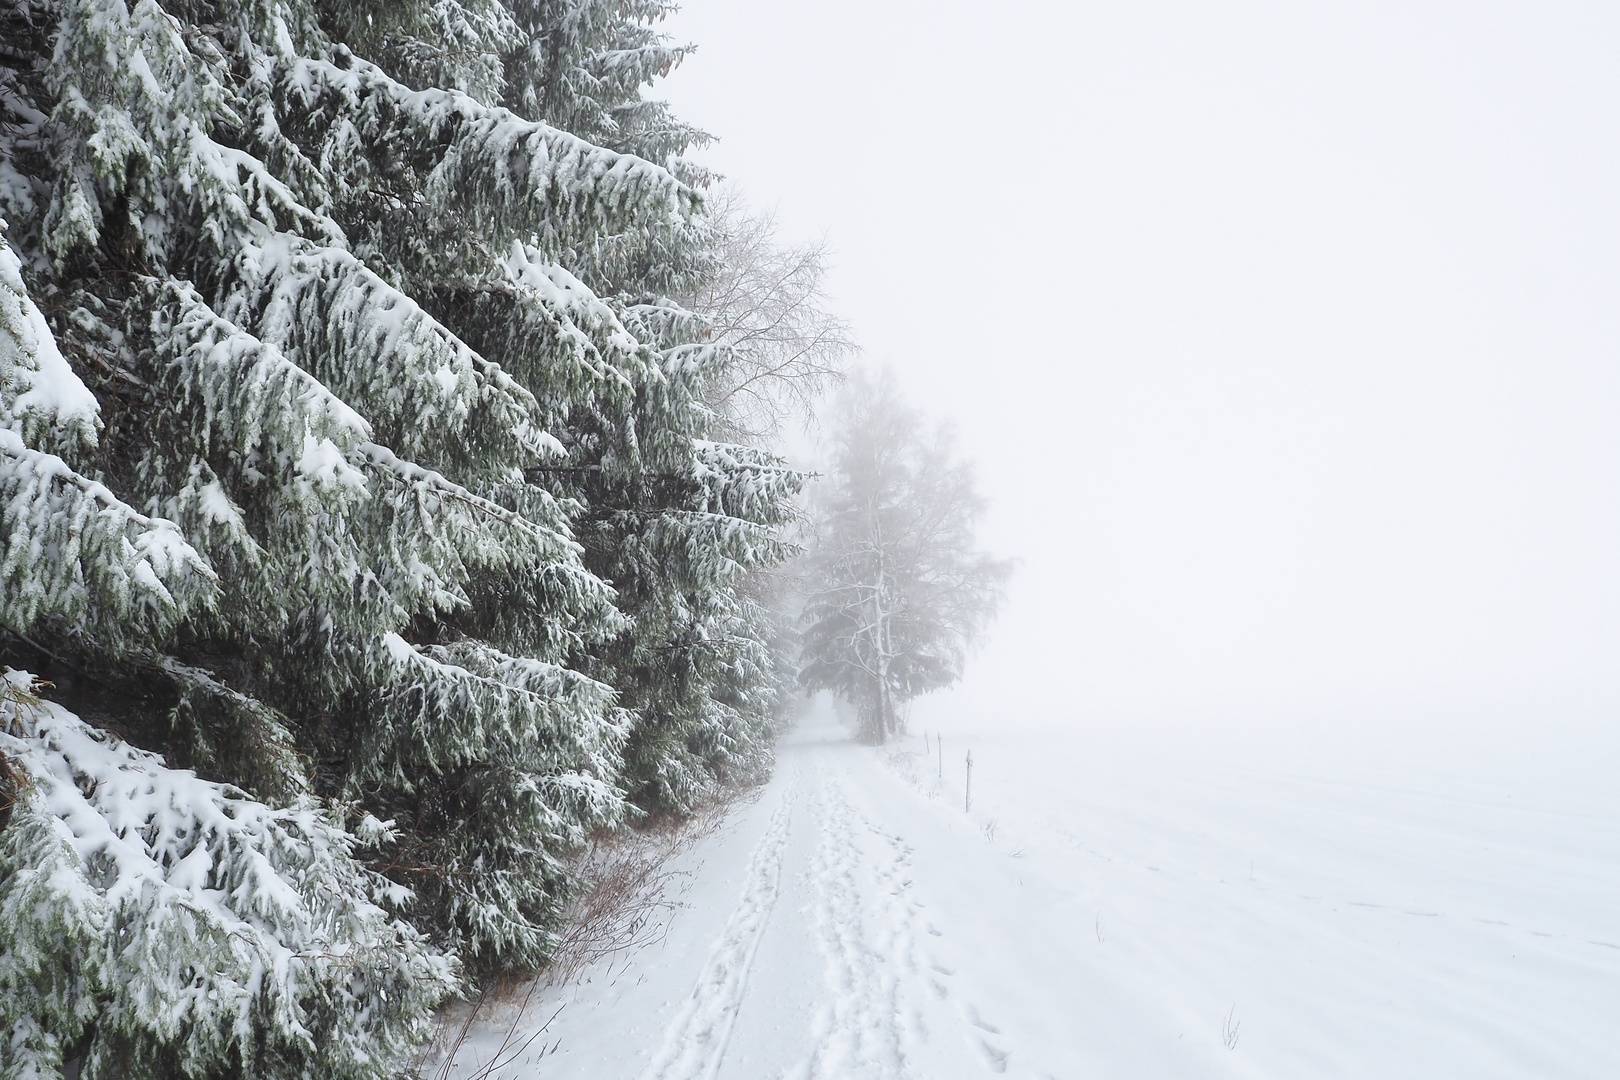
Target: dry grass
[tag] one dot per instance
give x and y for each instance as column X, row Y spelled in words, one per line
column 1229, row 1030
column 626, row 897
column 907, row 762
column 629, row 889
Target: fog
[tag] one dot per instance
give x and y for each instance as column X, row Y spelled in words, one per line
column 1283, row 334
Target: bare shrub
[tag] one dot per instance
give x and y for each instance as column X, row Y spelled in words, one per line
column 625, row 899
column 905, row 762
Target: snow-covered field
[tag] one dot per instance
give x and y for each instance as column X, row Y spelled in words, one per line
column 1119, row 906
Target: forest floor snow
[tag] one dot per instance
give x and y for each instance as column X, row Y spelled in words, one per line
column 1107, row 912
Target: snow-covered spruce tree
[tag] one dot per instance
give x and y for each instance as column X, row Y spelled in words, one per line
column 583, row 65
column 339, row 456
column 152, row 923
column 773, row 349
column 357, row 349
column 156, row 924
column 897, row 588
column 624, row 387
column 679, row 523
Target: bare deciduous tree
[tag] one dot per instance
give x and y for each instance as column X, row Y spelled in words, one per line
column 897, row 587
column 768, row 308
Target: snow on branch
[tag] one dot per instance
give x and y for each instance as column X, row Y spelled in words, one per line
column 226, row 732
column 745, row 482
column 41, row 399
column 332, row 518
column 583, row 330
column 698, row 547
column 682, row 337
column 74, row 552
column 429, row 395
column 490, row 534
column 460, row 45
column 461, row 701
column 526, row 177
column 242, row 396
column 534, row 747
column 408, row 549
column 195, row 927
column 153, row 151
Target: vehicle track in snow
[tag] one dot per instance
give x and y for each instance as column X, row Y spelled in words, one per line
column 694, row 1044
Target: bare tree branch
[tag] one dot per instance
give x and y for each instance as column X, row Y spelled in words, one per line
column 780, row 347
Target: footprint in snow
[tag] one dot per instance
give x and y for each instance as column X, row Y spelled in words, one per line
column 994, row 1056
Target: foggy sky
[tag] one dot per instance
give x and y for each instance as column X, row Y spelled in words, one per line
column 1283, row 333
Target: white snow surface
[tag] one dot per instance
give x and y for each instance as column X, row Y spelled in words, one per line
column 1125, row 907
column 44, row 382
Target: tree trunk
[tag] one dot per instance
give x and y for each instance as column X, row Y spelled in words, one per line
column 885, row 705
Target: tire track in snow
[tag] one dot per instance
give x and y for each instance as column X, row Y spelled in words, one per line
column 695, row 1042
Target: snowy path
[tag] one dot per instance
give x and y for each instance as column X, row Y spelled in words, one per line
column 1111, row 917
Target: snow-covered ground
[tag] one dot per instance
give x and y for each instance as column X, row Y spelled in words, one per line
column 1120, row 908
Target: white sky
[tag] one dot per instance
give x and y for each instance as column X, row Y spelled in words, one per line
column 1284, row 334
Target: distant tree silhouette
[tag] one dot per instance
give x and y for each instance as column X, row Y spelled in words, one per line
column 897, row 587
